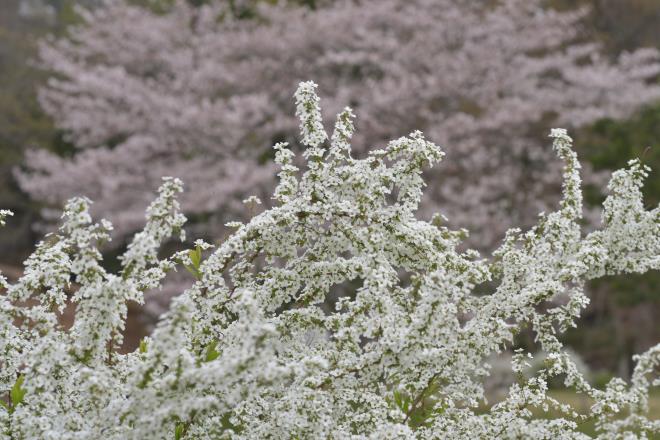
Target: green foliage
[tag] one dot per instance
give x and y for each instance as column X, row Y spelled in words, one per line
column 17, row 392
column 420, row 409
column 211, row 352
column 16, row 395
column 179, row 430
column 610, row 144
column 195, row 256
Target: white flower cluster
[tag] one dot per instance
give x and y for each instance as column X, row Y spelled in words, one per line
column 336, row 314
column 3, row 215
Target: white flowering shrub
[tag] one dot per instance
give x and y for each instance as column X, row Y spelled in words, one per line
column 252, row 349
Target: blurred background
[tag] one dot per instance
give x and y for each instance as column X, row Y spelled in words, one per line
column 102, row 99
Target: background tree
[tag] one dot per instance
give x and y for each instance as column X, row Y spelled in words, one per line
column 191, row 91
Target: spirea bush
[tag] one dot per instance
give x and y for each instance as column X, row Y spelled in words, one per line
column 335, row 314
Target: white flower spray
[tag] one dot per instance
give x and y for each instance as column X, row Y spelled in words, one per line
column 265, row 344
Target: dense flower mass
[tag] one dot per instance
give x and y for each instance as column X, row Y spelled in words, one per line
column 334, row 314
column 189, row 91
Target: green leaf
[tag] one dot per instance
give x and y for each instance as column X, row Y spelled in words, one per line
column 179, row 431
column 195, row 256
column 197, row 274
column 397, row 399
column 17, row 393
column 402, row 401
column 211, row 353
column 143, row 346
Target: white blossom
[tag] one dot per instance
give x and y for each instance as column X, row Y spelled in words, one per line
column 336, row 314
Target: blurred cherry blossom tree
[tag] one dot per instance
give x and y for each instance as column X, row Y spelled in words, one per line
column 194, row 92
